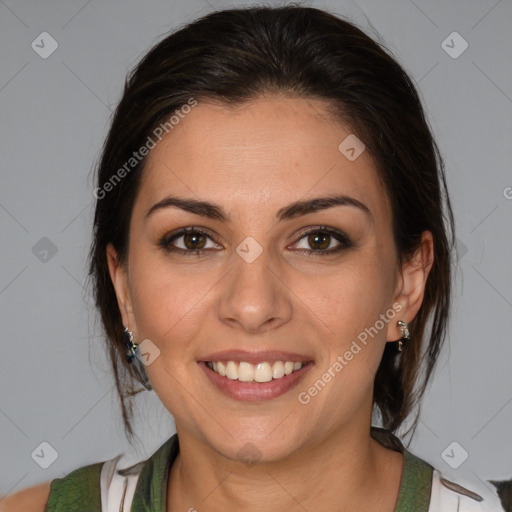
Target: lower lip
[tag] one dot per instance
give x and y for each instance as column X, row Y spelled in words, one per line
column 254, row 391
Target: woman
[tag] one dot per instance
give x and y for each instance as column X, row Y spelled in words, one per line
column 272, row 235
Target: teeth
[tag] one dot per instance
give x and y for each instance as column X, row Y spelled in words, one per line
column 232, row 370
column 278, row 370
column 261, row 372
column 245, row 372
column 221, row 369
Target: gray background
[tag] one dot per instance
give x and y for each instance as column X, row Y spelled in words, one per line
column 55, row 382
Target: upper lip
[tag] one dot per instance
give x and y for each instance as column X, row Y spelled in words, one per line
column 270, row 356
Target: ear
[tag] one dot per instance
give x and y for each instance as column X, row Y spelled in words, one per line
column 411, row 283
column 119, row 276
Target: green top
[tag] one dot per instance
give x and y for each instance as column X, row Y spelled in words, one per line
column 80, row 489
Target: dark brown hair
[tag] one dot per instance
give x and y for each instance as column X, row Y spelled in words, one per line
column 236, row 55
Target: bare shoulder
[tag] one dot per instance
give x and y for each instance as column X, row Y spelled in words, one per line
column 31, row 499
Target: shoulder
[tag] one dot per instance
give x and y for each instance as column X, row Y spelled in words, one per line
column 78, row 487
column 83, row 485
column 31, row 499
column 439, row 491
column 103, row 485
column 60, row 494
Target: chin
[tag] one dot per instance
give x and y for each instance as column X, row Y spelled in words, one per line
column 252, row 446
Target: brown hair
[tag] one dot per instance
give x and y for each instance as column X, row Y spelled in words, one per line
column 235, row 55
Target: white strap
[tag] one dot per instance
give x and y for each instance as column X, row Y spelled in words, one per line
column 117, row 490
column 448, row 497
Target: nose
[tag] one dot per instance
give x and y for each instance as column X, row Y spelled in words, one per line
column 255, row 297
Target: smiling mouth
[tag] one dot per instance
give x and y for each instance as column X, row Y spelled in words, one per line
column 261, row 372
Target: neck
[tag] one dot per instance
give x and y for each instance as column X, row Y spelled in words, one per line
column 347, row 471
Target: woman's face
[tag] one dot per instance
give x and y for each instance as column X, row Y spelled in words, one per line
column 255, row 290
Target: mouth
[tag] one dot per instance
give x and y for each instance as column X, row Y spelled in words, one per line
column 255, row 381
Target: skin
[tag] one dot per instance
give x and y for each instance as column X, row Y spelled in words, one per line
column 31, row 499
column 252, row 161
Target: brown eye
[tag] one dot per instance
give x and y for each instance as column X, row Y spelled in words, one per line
column 189, row 241
column 319, row 241
column 194, row 240
column 322, row 241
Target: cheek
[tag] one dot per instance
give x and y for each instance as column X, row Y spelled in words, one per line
column 157, row 295
column 170, row 305
column 354, row 305
column 352, row 296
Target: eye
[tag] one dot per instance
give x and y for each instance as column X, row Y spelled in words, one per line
column 188, row 241
column 322, row 240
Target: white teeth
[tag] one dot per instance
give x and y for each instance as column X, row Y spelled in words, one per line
column 261, row 372
column 288, row 367
column 245, row 372
column 232, row 370
column 278, row 370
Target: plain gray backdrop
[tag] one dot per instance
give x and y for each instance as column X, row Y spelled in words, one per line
column 55, row 382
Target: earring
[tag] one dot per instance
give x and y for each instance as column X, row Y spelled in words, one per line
column 131, row 357
column 130, row 346
column 404, row 329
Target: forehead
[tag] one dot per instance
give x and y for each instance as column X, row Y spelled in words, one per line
column 268, row 151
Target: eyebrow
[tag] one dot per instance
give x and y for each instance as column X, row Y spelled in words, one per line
column 293, row 210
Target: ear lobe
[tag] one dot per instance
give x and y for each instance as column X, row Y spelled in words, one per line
column 413, row 278
column 119, row 277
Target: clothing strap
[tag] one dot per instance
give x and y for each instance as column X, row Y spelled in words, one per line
column 117, row 486
column 416, row 483
column 461, row 497
column 151, row 491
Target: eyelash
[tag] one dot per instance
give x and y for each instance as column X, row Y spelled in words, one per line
column 345, row 242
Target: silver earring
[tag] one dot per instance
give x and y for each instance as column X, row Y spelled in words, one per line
column 404, row 329
column 131, row 357
column 130, row 346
